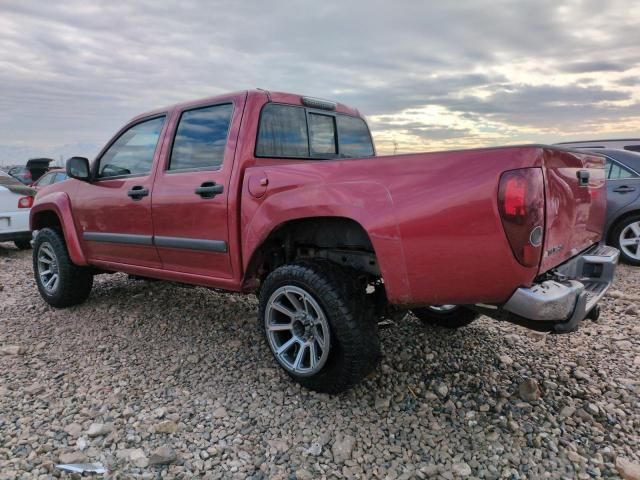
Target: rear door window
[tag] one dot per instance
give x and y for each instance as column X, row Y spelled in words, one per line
column 615, row 171
column 201, row 138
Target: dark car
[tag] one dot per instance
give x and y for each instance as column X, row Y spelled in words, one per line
column 623, row 206
column 32, row 171
column 54, row 175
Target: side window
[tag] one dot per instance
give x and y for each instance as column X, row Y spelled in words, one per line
column 45, row 180
column 355, row 139
column 616, row 171
column 201, row 138
column 60, row 176
column 132, row 153
column 322, row 130
column 607, row 168
column 283, row 132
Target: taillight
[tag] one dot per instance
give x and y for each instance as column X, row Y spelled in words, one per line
column 25, row 202
column 521, row 205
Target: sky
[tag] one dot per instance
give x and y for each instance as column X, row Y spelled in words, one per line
column 428, row 75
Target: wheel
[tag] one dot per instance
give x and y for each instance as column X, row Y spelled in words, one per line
column 22, row 244
column 317, row 327
column 60, row 282
column 594, row 313
column 446, row 316
column 626, row 238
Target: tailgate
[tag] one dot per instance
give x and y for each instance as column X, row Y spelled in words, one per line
column 575, row 209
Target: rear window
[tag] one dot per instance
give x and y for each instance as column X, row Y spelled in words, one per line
column 355, row 139
column 291, row 131
column 322, row 130
column 283, row 132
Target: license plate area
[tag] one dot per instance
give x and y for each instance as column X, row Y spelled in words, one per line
column 4, row 222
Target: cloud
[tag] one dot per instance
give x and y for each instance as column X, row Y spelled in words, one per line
column 596, row 66
column 72, row 72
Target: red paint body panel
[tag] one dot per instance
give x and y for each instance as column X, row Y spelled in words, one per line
column 575, row 215
column 55, row 200
column 432, row 218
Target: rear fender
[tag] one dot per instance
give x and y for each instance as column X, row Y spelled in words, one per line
column 59, row 204
column 367, row 203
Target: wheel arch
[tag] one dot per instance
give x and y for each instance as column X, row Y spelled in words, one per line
column 54, row 211
column 284, row 243
column 618, row 220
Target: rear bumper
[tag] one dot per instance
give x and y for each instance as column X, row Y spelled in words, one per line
column 560, row 304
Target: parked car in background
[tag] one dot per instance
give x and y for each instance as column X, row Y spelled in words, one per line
column 16, row 200
column 54, row 175
column 623, row 206
column 32, row 171
column 631, row 144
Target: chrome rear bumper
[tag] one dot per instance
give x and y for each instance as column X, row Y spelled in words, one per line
column 561, row 303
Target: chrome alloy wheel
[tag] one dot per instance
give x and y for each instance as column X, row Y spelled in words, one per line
column 48, row 268
column 630, row 240
column 297, row 330
column 443, row 308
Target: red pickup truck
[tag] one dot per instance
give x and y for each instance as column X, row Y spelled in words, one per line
column 283, row 196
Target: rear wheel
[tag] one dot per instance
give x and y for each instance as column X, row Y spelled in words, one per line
column 446, row 316
column 22, row 244
column 60, row 282
column 626, row 238
column 316, row 325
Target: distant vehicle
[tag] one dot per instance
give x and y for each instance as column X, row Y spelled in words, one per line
column 623, row 202
column 32, row 171
column 54, row 175
column 15, row 204
column 631, row 144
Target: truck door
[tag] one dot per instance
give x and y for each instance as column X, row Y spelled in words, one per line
column 113, row 212
column 191, row 190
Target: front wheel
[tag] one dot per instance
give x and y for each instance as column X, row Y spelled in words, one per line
column 316, row 325
column 60, row 282
column 446, row 316
column 626, row 238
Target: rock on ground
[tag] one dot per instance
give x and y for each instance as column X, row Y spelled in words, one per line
column 138, row 354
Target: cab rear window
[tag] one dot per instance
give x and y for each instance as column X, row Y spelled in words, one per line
column 288, row 131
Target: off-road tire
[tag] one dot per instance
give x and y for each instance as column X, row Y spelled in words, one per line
column 22, row 244
column 354, row 343
column 458, row 318
column 74, row 283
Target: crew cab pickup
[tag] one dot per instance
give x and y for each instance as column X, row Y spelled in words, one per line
column 283, row 196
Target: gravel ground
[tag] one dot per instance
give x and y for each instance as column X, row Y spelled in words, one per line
column 159, row 381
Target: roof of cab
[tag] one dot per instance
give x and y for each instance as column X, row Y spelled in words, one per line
column 276, row 97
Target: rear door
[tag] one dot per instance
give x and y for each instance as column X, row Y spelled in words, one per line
column 113, row 212
column 191, row 190
column 623, row 186
column 576, row 201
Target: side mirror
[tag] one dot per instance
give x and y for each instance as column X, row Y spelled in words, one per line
column 78, row 168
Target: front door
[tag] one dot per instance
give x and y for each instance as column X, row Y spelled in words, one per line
column 191, row 191
column 113, row 212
